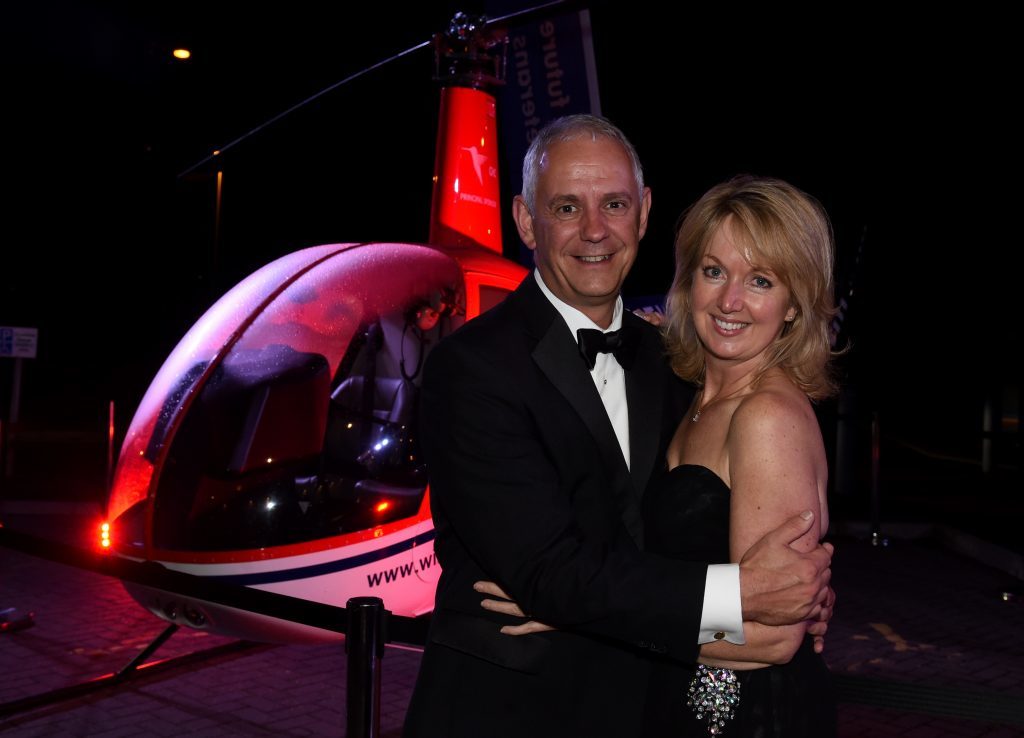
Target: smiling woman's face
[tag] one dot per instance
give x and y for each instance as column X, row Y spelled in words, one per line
column 739, row 308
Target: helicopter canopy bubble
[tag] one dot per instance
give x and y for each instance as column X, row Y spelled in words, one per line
column 286, row 414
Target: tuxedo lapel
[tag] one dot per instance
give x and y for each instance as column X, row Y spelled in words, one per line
column 645, row 396
column 558, row 357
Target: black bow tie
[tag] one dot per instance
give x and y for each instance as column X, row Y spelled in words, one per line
column 622, row 343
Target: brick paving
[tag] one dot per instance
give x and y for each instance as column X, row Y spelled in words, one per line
column 916, row 623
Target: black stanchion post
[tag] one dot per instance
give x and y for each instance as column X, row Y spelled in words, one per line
column 364, row 644
column 987, row 428
column 876, row 484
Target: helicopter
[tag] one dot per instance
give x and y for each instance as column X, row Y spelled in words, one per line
column 276, row 447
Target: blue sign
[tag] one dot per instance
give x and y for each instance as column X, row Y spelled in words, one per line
column 19, row 343
column 550, row 72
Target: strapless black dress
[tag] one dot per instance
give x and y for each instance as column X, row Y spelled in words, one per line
column 686, row 516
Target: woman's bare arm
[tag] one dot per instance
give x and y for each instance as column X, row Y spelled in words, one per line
column 775, row 457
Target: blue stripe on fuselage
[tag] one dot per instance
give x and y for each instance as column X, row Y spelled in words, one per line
column 328, row 567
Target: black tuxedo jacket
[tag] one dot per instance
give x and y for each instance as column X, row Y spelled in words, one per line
column 529, row 488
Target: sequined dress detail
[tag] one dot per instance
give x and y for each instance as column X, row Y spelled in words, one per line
column 686, row 516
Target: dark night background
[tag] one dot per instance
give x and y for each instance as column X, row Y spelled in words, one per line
column 904, row 127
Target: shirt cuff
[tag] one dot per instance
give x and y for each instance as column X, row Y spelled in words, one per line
column 722, row 616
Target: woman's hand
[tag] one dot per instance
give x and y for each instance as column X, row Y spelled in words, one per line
column 651, row 315
column 507, row 607
column 817, row 628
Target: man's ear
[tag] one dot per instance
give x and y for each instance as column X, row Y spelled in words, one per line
column 524, row 221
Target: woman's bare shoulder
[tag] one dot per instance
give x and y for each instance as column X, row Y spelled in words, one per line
column 776, row 404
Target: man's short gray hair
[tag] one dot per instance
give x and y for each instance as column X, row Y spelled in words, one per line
column 569, row 128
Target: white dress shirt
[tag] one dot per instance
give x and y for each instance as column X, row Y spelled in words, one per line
column 721, row 617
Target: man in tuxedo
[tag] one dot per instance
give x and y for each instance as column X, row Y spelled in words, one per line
column 538, row 457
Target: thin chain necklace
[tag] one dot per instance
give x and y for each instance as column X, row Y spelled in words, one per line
column 700, row 399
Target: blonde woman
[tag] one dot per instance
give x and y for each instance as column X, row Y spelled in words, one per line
column 748, row 319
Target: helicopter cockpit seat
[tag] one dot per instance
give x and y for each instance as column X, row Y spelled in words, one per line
column 369, row 436
column 286, row 416
column 390, row 402
column 256, row 424
column 365, row 413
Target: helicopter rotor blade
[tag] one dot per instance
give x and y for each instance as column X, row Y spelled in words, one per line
column 544, row 9
column 330, row 88
column 520, row 16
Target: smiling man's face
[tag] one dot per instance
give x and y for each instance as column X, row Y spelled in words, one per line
column 588, row 223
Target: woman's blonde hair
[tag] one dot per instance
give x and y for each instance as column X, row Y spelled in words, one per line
column 785, row 230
